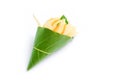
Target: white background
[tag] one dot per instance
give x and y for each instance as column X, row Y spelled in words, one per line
column 94, row 54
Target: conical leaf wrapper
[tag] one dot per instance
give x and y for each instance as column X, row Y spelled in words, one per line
column 46, row 42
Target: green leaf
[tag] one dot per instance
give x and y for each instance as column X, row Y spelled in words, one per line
column 63, row 17
column 46, row 42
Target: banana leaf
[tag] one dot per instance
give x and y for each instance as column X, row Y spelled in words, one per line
column 46, row 43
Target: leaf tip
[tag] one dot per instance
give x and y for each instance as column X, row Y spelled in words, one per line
column 28, row 68
column 63, row 17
